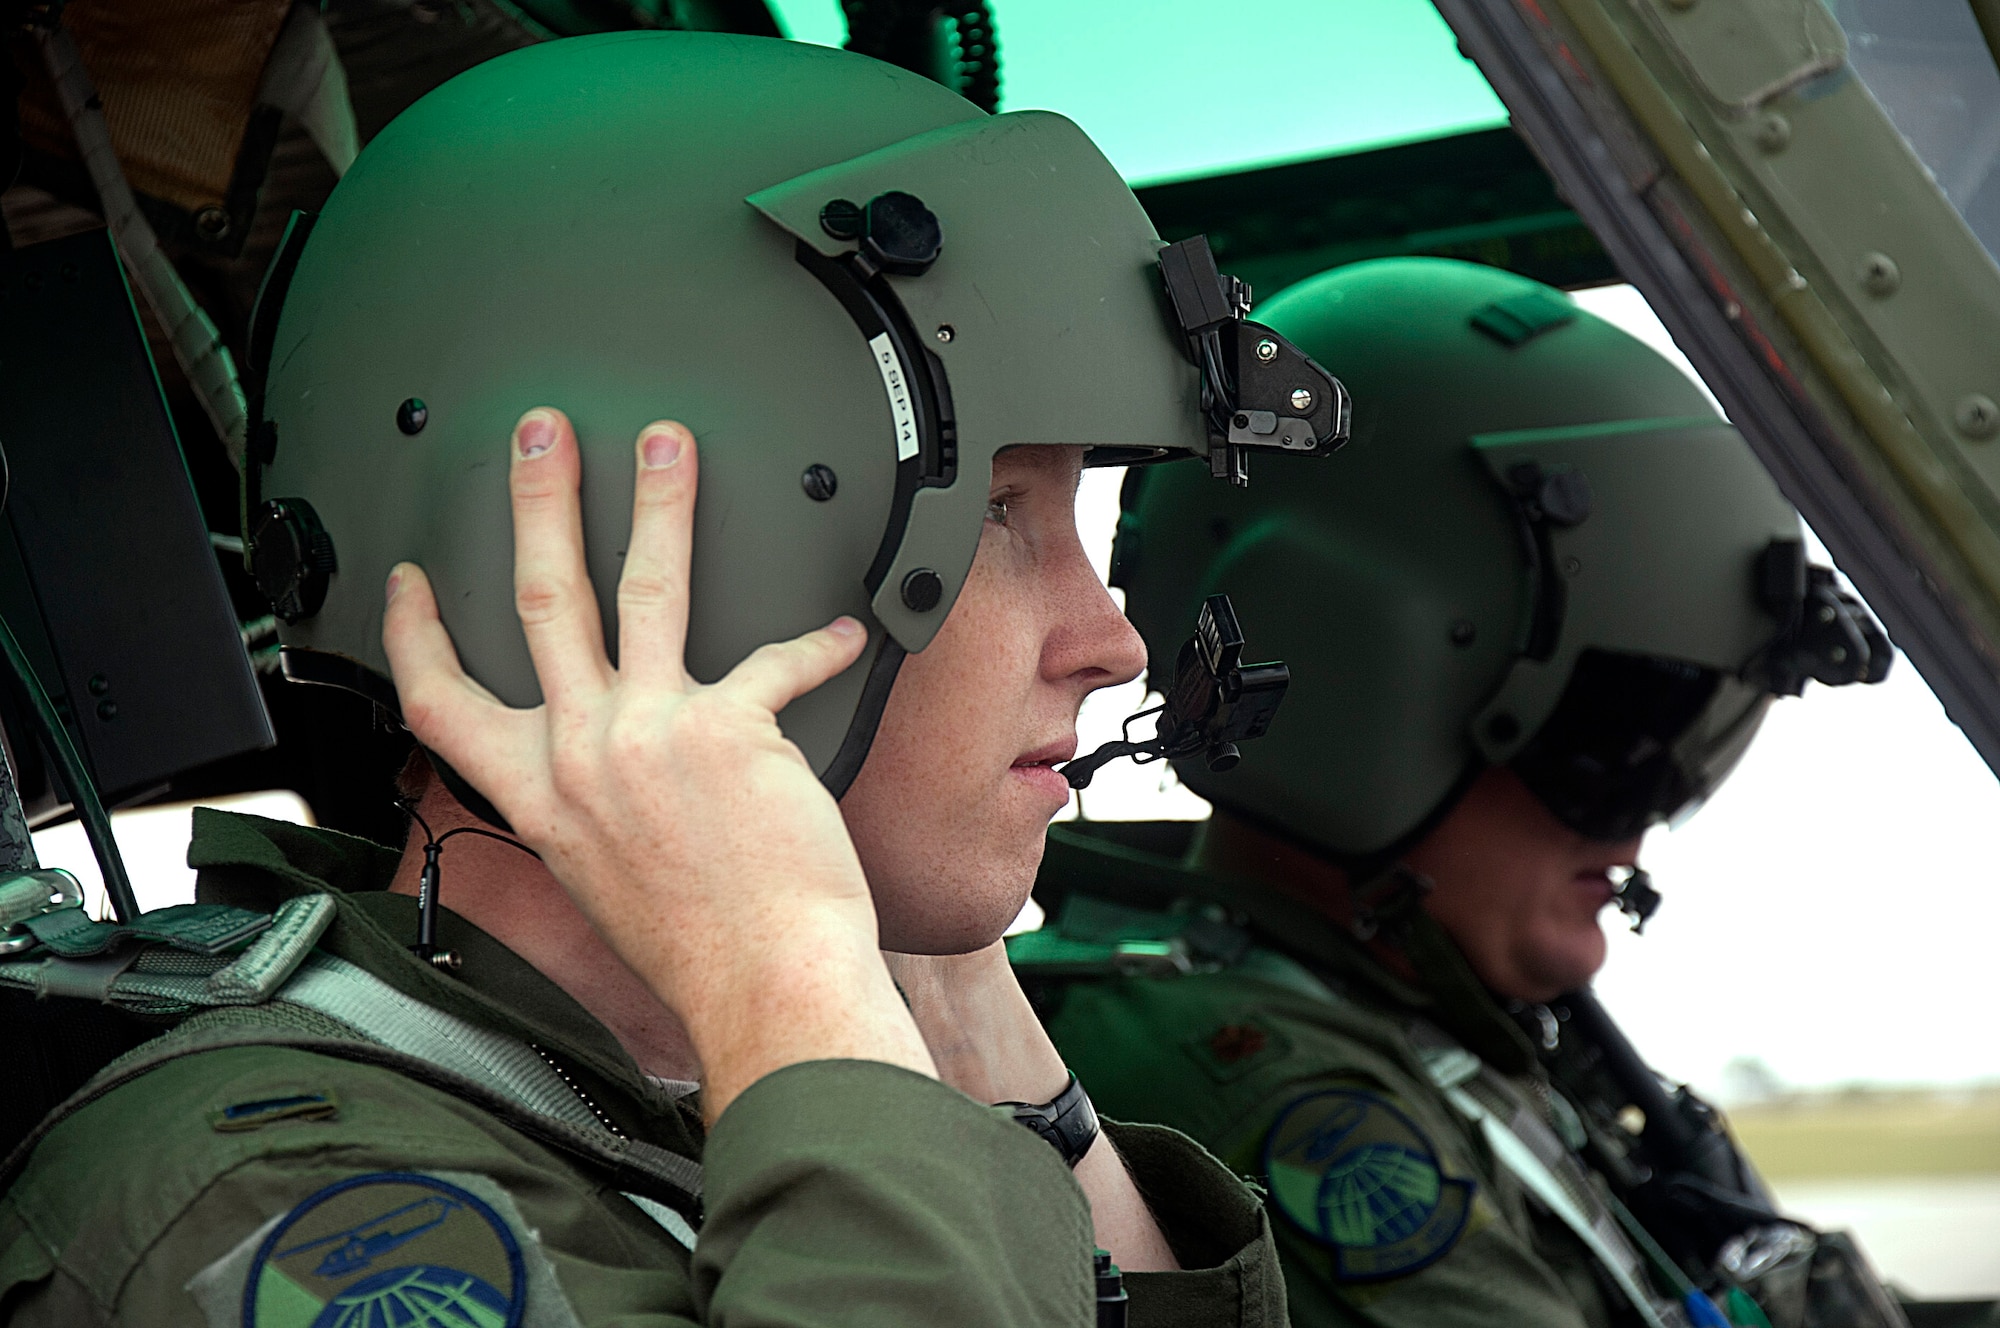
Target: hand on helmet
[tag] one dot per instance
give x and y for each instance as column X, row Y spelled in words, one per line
column 681, row 821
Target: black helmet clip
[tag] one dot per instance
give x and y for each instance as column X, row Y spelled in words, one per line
column 1828, row 635
column 1258, row 390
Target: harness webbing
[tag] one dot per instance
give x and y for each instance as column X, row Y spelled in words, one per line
column 391, row 1029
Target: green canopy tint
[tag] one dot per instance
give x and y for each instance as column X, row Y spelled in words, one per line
column 1279, row 80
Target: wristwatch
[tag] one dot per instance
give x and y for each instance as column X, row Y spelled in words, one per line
column 1067, row 1121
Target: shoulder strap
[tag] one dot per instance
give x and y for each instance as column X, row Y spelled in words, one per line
column 630, row 1164
column 393, row 1030
column 514, row 1069
column 1525, row 1144
column 182, row 961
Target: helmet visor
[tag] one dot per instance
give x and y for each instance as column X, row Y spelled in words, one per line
column 1636, row 740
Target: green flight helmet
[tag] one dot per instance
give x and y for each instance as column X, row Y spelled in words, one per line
column 1543, row 548
column 852, row 285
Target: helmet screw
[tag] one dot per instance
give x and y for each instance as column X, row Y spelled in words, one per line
column 819, row 482
column 946, row 332
column 1463, row 633
column 1302, row 400
column 412, row 416
column 841, row 219
column 107, row 709
column 923, row 589
column 1267, row 350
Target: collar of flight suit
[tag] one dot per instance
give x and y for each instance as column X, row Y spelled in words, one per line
column 1141, row 864
column 252, row 862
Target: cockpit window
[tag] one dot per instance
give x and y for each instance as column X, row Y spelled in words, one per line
column 1929, row 66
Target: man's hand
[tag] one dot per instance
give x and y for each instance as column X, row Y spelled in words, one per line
column 988, row 1045
column 683, row 823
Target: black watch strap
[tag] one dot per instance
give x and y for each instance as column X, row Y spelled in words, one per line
column 1067, row 1121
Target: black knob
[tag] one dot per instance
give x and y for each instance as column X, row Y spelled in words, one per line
column 841, row 219
column 819, row 482
column 923, row 589
column 1566, row 498
column 412, row 416
column 900, row 235
column 292, row 558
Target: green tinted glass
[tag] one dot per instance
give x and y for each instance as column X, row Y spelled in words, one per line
column 1276, row 81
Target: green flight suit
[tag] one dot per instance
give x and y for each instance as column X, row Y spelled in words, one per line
column 1295, row 1054
column 277, row 1186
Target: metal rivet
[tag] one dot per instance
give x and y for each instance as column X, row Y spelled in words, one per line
column 1503, row 727
column 211, row 223
column 1774, row 132
column 1977, row 416
column 923, row 590
column 107, row 709
column 946, row 332
column 99, row 684
column 819, row 482
column 1572, row 566
column 1463, row 633
column 1302, row 400
column 68, row 272
column 841, row 219
column 1239, row 420
column 1267, row 350
column 412, row 416
column 1878, row 274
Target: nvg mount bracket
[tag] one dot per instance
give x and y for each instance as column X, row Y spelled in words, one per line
column 1258, row 390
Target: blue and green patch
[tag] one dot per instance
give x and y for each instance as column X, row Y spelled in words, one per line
column 385, row 1249
column 1358, row 1176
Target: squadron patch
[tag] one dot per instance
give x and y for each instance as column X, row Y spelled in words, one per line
column 1356, row 1175
column 387, row 1248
